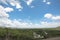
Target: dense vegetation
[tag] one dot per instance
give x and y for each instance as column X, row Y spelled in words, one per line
column 26, row 34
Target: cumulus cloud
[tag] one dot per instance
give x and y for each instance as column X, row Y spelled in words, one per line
column 49, row 24
column 12, row 2
column 50, row 16
column 8, row 9
column 56, row 17
column 47, row 2
column 3, row 14
column 28, row 2
column 16, row 3
column 44, row 0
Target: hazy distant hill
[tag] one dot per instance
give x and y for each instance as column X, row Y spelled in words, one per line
column 58, row 28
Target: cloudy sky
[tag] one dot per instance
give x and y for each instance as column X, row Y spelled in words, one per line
column 30, row 13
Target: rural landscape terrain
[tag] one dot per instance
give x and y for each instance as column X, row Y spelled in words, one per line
column 30, row 34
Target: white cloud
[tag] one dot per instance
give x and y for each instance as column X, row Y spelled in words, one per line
column 8, row 9
column 44, row 0
column 16, row 3
column 12, row 2
column 56, row 17
column 28, row 2
column 18, row 24
column 49, row 24
column 48, row 3
column 48, row 15
column 3, row 14
column 18, row 6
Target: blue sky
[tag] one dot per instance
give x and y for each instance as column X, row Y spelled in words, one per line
column 30, row 13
